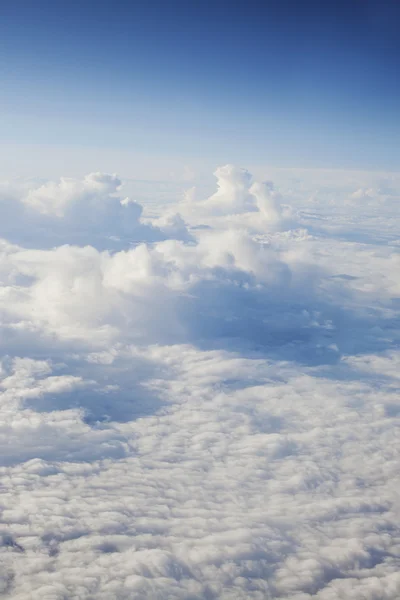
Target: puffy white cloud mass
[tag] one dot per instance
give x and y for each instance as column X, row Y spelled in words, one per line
column 87, row 211
column 199, row 399
column 239, row 201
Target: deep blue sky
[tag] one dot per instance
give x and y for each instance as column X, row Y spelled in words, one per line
column 288, row 82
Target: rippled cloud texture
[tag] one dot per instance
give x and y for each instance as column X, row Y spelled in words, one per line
column 200, row 398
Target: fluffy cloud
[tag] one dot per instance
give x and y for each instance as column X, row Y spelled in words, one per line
column 262, row 489
column 240, row 201
column 208, row 410
column 92, row 194
column 87, row 211
column 226, row 286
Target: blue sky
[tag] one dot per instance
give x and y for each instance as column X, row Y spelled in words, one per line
column 310, row 84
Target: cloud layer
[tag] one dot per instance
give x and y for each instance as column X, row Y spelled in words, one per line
column 201, row 404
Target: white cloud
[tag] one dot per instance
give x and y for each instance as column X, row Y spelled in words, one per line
column 239, row 201
column 87, row 211
column 226, row 285
column 233, row 194
column 265, row 488
column 209, row 413
column 56, row 198
column 363, row 194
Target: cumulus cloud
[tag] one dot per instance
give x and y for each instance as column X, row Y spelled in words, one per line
column 87, row 211
column 226, row 285
column 208, row 409
column 233, row 193
column 240, row 200
column 92, row 194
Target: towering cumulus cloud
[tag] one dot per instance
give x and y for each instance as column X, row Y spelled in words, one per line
column 240, row 199
column 199, row 401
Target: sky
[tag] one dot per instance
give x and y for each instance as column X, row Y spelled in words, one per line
column 199, row 301
column 310, row 84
